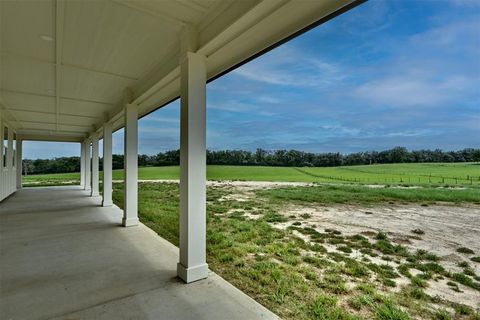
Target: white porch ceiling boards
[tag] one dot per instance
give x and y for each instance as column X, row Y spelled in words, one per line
column 66, row 88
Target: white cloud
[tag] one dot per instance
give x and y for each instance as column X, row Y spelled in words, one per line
column 158, row 130
column 162, row 119
column 230, row 105
column 288, row 66
column 408, row 91
column 339, row 130
column 269, row 99
column 448, row 35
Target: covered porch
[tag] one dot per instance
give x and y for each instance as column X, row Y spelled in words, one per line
column 77, row 71
column 64, row 256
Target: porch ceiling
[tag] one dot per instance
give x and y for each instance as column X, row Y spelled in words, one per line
column 65, row 66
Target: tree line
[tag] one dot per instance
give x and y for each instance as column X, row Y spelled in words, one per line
column 261, row 157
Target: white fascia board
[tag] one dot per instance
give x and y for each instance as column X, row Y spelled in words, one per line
column 50, row 138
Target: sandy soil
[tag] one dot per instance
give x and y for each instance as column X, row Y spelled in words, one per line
column 445, row 227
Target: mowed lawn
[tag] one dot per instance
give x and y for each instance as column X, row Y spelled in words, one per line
column 467, row 174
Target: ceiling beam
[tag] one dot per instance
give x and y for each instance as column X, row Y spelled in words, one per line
column 3, row 106
column 54, row 123
column 49, row 137
column 192, row 5
column 6, row 111
column 157, row 14
column 52, row 132
column 69, row 65
column 20, row 109
column 59, row 24
column 52, row 96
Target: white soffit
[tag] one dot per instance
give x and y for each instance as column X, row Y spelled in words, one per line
column 65, row 65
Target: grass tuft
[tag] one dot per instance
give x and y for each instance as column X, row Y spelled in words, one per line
column 465, row 250
column 475, row 259
column 389, row 312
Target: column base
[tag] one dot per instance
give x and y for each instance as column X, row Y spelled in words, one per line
column 193, row 273
column 130, row 222
column 94, row 194
column 107, row 203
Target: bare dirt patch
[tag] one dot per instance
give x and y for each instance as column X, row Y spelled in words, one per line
column 444, row 229
column 438, row 229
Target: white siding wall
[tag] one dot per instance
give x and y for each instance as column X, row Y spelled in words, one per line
column 8, row 183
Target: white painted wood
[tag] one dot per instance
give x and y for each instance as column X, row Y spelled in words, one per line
column 88, row 167
column 18, row 163
column 59, row 21
column 130, row 208
column 95, row 178
column 82, row 164
column 2, row 190
column 107, row 165
column 192, row 265
column 10, row 172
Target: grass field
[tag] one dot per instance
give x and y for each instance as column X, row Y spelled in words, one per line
column 307, row 271
column 274, row 243
column 461, row 174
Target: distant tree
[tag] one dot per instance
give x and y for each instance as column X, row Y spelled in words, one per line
column 27, row 167
column 288, row 158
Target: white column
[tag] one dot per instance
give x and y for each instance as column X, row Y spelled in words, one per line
column 130, row 208
column 107, row 165
column 18, row 163
column 192, row 265
column 95, row 182
column 11, row 185
column 2, row 191
column 82, row 164
column 88, row 177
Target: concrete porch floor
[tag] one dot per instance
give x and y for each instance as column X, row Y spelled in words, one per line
column 62, row 256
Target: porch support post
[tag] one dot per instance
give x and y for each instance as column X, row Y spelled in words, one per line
column 95, row 180
column 130, row 207
column 107, row 165
column 11, row 185
column 82, row 164
column 18, row 163
column 88, row 177
column 192, row 265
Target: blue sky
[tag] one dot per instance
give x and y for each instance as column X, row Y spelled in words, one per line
column 388, row 73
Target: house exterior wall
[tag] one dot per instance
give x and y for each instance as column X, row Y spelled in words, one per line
column 8, row 182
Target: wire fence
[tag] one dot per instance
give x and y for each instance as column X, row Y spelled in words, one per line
column 404, row 178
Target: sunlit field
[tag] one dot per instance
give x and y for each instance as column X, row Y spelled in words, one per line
column 467, row 174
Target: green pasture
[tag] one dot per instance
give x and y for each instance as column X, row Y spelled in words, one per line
column 460, row 174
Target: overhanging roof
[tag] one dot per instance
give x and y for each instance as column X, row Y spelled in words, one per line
column 66, row 66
